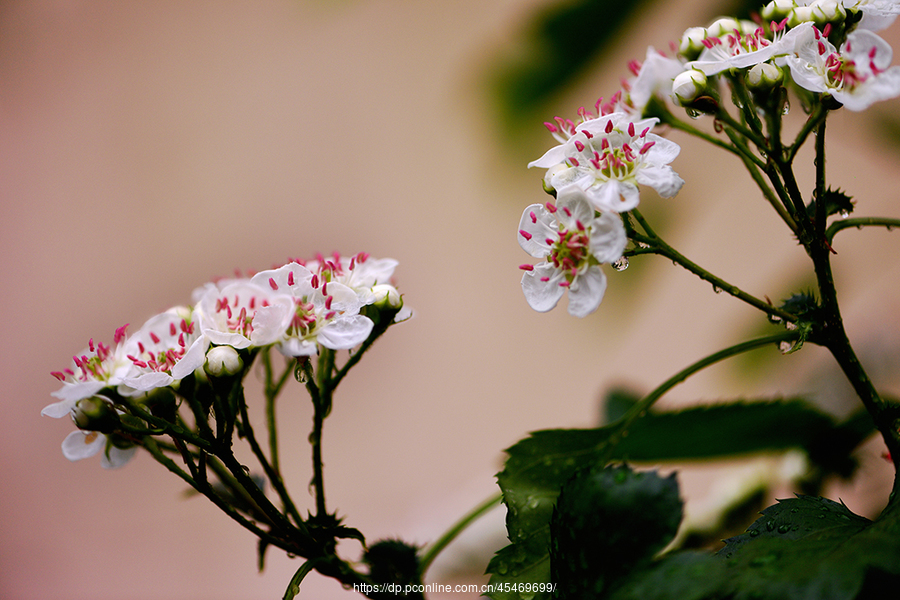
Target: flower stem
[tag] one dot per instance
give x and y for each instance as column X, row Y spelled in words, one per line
column 448, row 536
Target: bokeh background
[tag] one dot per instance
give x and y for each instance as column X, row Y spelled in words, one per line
column 146, row 147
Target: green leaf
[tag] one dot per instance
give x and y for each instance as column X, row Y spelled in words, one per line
column 539, row 465
column 605, row 522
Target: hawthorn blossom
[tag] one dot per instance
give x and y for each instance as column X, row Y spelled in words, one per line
column 240, row 314
column 83, row 444
column 877, row 14
column 857, row 76
column 574, row 243
column 652, row 79
column 742, row 48
column 359, row 272
column 98, row 367
column 166, row 349
column 324, row 312
column 607, row 157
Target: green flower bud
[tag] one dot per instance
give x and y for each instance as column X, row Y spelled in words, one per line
column 691, row 44
column 95, row 414
column 827, row 11
column 800, row 14
column 387, row 296
column 723, row 26
column 688, row 86
column 777, row 10
column 222, row 361
column 764, row 76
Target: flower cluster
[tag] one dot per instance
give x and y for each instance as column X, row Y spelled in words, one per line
column 297, row 308
column 825, row 50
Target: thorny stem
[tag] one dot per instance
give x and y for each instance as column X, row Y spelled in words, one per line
column 658, row 246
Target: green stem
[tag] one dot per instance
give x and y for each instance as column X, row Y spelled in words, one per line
column 315, row 439
column 448, row 536
column 859, row 223
column 642, row 406
column 660, row 247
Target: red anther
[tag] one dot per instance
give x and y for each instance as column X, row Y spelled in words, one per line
column 154, row 337
column 264, row 303
column 821, row 48
column 604, row 145
column 523, row 267
column 272, row 283
column 847, row 45
column 120, row 334
column 91, row 344
column 290, row 278
column 141, row 349
column 550, row 207
column 533, row 216
column 328, row 301
column 574, row 161
column 826, row 31
column 315, row 281
column 545, row 279
column 551, row 127
column 646, row 147
column 59, row 375
column 579, row 225
column 567, row 211
column 579, row 145
column 587, row 134
column 252, row 302
column 564, row 284
column 635, row 67
column 609, row 126
column 181, row 340
column 525, row 234
column 631, row 129
column 330, row 314
column 172, row 329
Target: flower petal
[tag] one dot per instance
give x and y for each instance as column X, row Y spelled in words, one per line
column 82, row 444
column 543, row 296
column 587, row 292
column 345, row 332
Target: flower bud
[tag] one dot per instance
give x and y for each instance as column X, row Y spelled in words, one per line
column 691, row 44
column 723, row 26
column 548, row 178
column 95, row 414
column 222, row 361
column 827, row 11
column 688, row 86
column 387, row 296
column 800, row 14
column 777, row 10
column 764, row 76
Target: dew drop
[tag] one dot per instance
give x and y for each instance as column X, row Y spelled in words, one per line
column 245, row 469
column 290, row 555
column 502, row 568
column 785, row 347
column 787, row 107
column 717, row 289
column 694, row 114
column 754, row 532
column 534, row 503
column 762, row 154
column 784, row 528
column 644, row 245
column 844, row 214
column 526, row 596
column 620, row 264
column 770, row 525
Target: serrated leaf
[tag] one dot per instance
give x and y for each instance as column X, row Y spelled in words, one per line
column 607, row 521
column 539, row 465
column 805, row 548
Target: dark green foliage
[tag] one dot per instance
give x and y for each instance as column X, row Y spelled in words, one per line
column 541, row 464
column 596, row 534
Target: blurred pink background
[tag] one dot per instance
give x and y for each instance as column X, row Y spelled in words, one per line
column 146, row 147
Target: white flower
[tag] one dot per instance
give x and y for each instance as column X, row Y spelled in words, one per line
column 83, row 444
column 168, row 348
column 877, row 14
column 857, row 76
column 653, row 78
column 324, row 312
column 359, row 272
column 608, row 157
column 241, row 313
column 575, row 243
column 97, row 367
column 739, row 50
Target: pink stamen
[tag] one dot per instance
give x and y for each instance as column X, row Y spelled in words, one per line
column 272, row 283
column 154, row 337
column 533, row 216
column 550, row 207
column 646, row 147
column 523, row 267
column 290, row 278
column 525, row 234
